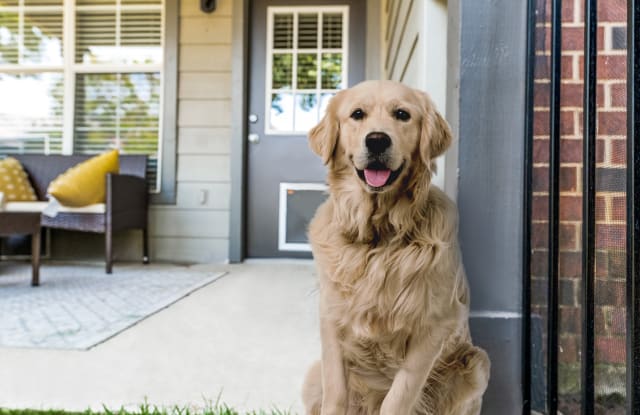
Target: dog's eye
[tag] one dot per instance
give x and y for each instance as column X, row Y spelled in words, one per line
column 402, row 115
column 358, row 114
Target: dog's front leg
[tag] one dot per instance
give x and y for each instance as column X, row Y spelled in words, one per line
column 422, row 353
column 334, row 388
column 410, row 379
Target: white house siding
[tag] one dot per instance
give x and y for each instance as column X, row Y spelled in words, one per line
column 415, row 45
column 196, row 228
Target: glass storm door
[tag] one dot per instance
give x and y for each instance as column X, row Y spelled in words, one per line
column 300, row 57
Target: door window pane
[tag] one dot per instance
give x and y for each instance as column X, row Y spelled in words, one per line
column 308, row 31
column 331, row 71
column 324, row 102
column 283, row 31
column 306, row 111
column 307, row 70
column 332, row 30
column 281, row 112
column 307, row 55
column 282, row 71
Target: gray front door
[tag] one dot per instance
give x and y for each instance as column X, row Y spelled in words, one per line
column 300, row 55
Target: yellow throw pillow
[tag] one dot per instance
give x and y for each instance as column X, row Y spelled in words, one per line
column 14, row 182
column 84, row 184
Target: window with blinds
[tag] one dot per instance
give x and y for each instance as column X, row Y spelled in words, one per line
column 306, row 65
column 31, row 75
column 104, row 69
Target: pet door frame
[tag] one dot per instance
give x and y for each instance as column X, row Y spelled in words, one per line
column 283, row 245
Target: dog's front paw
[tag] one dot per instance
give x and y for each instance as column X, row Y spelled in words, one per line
column 334, row 403
column 477, row 367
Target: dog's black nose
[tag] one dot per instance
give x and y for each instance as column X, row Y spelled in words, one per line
column 377, row 143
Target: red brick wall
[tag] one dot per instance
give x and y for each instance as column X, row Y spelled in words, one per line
column 610, row 177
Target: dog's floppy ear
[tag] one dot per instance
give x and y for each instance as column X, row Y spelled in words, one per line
column 435, row 136
column 324, row 136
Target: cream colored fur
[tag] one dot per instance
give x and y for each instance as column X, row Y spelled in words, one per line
column 394, row 300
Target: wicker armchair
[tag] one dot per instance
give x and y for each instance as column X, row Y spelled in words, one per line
column 126, row 205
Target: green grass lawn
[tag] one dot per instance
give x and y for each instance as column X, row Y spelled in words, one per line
column 146, row 409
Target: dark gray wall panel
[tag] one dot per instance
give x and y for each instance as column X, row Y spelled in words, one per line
column 500, row 337
column 486, row 101
column 491, row 127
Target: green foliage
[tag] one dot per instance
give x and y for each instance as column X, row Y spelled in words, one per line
column 36, row 33
column 147, row 409
column 8, row 38
column 210, row 407
column 331, row 67
column 111, row 106
column 281, row 70
column 306, row 77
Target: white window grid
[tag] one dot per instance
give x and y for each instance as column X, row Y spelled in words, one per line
column 70, row 68
column 283, row 245
column 318, row 91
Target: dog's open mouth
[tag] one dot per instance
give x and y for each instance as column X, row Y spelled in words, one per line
column 377, row 175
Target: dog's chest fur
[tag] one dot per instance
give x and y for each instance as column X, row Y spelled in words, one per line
column 377, row 306
column 383, row 286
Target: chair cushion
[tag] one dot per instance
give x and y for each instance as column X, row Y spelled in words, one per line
column 41, row 206
column 84, row 184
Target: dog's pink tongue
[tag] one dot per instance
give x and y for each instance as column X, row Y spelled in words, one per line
column 376, row 178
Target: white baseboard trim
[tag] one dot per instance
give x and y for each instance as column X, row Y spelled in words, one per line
column 495, row 314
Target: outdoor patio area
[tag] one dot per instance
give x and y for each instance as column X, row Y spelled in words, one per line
column 247, row 334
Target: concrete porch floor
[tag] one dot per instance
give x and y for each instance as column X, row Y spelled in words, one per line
column 247, row 337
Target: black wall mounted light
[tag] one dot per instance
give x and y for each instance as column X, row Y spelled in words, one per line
column 208, row 6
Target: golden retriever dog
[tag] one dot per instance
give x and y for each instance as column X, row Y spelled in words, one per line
column 394, row 300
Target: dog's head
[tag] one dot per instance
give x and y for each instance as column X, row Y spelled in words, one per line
column 380, row 130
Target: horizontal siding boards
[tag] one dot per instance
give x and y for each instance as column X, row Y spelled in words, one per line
column 182, row 223
column 196, row 229
column 200, row 250
column 204, row 140
column 204, row 85
column 195, row 168
column 204, row 113
column 204, row 195
column 205, row 58
column 204, row 30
